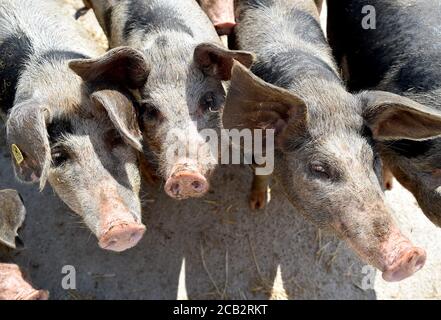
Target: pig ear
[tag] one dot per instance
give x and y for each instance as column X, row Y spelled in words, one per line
column 392, row 117
column 217, row 61
column 122, row 113
column 254, row 104
column 122, row 66
column 12, row 216
column 28, row 139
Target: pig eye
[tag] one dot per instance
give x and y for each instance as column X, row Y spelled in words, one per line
column 150, row 112
column 59, row 156
column 209, row 102
column 319, row 169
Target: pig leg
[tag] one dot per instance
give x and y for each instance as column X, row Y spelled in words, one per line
column 259, row 192
column 14, row 286
column 388, row 178
column 221, row 13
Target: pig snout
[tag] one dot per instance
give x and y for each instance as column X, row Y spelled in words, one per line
column 15, row 286
column 394, row 254
column 401, row 258
column 121, row 236
column 119, row 228
column 186, row 182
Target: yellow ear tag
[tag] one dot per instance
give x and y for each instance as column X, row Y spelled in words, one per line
column 17, row 154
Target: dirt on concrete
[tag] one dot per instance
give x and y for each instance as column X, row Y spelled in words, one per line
column 211, row 248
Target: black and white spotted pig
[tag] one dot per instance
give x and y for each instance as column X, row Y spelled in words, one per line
column 74, row 127
column 183, row 92
column 326, row 157
column 401, row 55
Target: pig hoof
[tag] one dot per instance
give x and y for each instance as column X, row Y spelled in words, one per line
column 122, row 237
column 258, row 200
column 410, row 262
column 185, row 185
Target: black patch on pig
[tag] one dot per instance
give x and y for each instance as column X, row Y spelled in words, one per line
column 59, row 55
column 57, row 128
column 420, row 74
column 141, row 17
column 15, row 52
column 108, row 22
column 410, row 148
column 284, row 68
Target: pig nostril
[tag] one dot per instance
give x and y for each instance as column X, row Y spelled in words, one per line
column 175, row 188
column 196, row 185
column 419, row 264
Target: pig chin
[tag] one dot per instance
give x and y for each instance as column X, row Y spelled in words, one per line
column 394, row 255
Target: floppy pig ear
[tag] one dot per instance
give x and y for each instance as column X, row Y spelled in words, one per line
column 254, row 104
column 12, row 215
column 392, row 117
column 28, row 139
column 122, row 66
column 217, row 61
column 122, row 113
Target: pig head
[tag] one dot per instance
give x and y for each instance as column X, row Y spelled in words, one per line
column 327, row 160
column 81, row 134
column 176, row 107
column 184, row 93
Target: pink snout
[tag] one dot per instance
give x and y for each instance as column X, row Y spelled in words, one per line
column 409, row 262
column 400, row 258
column 122, row 236
column 186, row 184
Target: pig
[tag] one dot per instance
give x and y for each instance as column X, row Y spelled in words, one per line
column 71, row 119
column 401, row 55
column 12, row 216
column 326, row 156
column 183, row 93
column 13, row 285
column 222, row 14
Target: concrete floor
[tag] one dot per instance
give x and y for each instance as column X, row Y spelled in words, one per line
column 211, row 248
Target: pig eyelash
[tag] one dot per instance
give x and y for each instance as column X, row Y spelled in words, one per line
column 209, row 103
column 319, row 169
column 59, row 156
